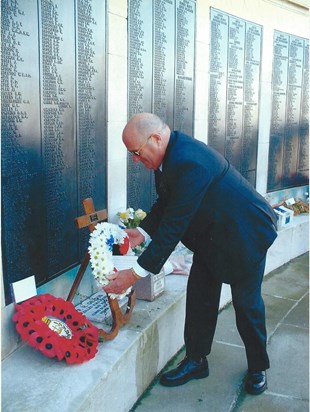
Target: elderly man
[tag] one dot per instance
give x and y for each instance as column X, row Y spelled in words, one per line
column 207, row 205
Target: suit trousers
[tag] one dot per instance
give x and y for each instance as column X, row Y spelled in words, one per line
column 202, row 305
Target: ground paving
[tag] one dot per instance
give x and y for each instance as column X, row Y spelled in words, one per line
column 286, row 296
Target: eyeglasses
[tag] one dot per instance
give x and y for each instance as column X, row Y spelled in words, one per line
column 137, row 152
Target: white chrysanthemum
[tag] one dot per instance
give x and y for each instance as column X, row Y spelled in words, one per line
column 100, row 251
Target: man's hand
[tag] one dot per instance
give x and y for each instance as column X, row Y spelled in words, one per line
column 120, row 282
column 135, row 237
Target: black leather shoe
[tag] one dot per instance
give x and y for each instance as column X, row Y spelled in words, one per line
column 186, row 370
column 255, row 382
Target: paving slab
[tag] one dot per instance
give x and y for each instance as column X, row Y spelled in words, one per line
column 289, row 281
column 269, row 402
column 214, row 393
column 299, row 315
column 289, row 358
column 276, row 309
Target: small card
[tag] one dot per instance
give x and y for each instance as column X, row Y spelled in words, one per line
column 96, row 308
column 290, row 201
column 24, row 289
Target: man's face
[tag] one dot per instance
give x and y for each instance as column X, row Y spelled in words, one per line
column 146, row 152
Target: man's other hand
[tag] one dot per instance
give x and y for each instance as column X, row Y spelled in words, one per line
column 120, row 281
column 135, row 237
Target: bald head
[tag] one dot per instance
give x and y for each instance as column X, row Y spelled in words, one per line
column 141, row 125
column 146, row 136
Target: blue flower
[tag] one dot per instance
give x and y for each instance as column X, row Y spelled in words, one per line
column 110, row 242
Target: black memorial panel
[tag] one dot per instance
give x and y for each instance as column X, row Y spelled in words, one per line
column 218, row 80
column 21, row 183
column 252, row 67
column 160, row 76
column 57, row 42
column 184, row 69
column 139, row 92
column 235, row 88
column 53, row 131
column 235, row 60
column 303, row 154
column 163, row 78
column 163, row 61
column 91, row 105
column 289, row 136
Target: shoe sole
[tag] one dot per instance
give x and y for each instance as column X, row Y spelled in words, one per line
column 200, row 375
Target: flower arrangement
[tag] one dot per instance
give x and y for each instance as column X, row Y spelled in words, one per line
column 54, row 327
column 131, row 219
column 102, row 239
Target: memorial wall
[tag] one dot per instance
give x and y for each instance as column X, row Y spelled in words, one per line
column 209, row 72
column 161, row 55
column 53, row 130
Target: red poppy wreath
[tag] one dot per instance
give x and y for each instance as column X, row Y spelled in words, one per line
column 54, row 327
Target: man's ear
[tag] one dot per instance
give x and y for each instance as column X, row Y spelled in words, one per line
column 157, row 138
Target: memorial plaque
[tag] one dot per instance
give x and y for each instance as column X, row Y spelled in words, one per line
column 235, row 59
column 184, row 70
column 289, row 136
column 303, row 154
column 218, row 80
column 91, row 106
column 140, row 51
column 161, row 76
column 21, row 183
column 57, row 42
column 163, row 61
column 235, row 91
column 253, row 38
column 53, row 131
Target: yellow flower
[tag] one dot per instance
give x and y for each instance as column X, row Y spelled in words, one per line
column 140, row 214
column 124, row 215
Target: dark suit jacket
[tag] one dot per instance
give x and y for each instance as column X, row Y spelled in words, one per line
column 205, row 203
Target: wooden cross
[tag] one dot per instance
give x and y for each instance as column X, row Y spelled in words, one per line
column 90, row 219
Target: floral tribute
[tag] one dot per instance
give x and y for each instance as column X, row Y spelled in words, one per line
column 131, row 218
column 102, row 240
column 54, row 327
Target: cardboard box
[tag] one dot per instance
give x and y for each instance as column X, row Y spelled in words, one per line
column 147, row 288
column 284, row 216
column 150, row 287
